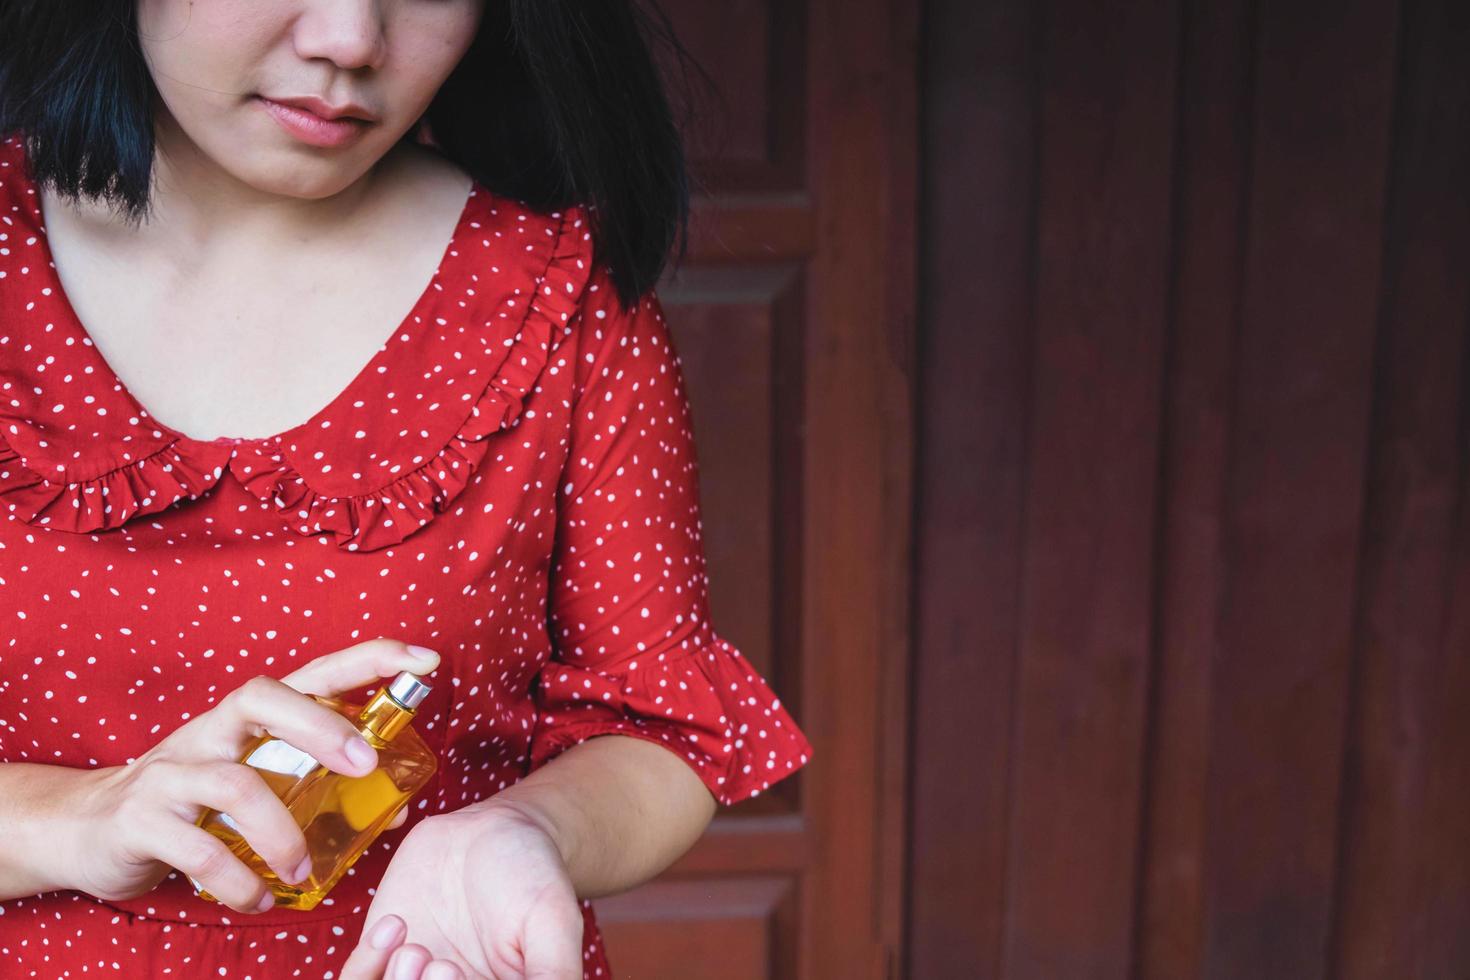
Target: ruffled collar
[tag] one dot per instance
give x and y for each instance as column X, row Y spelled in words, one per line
column 79, row 453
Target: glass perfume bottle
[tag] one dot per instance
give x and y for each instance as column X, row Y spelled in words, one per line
column 339, row 815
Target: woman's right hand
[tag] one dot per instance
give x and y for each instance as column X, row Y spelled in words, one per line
column 135, row 823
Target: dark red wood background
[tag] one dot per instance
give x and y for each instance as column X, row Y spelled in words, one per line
column 1191, row 694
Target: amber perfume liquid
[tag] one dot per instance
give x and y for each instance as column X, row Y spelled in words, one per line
column 339, row 815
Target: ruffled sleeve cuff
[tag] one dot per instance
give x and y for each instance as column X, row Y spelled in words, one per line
column 705, row 703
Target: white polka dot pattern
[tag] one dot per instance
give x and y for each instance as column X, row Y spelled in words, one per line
column 630, row 608
column 511, row 480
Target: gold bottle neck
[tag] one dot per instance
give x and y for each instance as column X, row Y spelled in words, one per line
column 383, row 717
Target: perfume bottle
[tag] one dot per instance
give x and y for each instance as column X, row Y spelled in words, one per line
column 339, row 815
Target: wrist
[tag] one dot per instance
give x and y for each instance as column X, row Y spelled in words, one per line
column 42, row 843
column 509, row 806
column 68, row 820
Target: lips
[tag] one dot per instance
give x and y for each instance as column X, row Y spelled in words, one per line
column 311, row 128
column 320, row 107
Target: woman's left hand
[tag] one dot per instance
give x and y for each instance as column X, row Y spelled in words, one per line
column 484, row 894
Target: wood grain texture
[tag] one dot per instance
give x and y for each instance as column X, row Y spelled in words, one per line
column 1293, row 499
column 1192, row 586
column 794, row 320
column 1086, row 569
column 1414, row 486
column 978, row 213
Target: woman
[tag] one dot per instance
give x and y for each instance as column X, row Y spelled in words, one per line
column 224, row 490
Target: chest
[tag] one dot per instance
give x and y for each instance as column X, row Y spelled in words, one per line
column 116, row 638
column 247, row 350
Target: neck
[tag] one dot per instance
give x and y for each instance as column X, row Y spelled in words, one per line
column 202, row 211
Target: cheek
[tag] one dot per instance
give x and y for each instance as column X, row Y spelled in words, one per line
column 426, row 53
column 161, row 18
column 195, row 49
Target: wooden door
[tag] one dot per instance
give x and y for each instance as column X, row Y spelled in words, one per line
column 793, row 321
column 1194, row 530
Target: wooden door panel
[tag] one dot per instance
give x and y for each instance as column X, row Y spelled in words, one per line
column 1194, row 554
column 790, row 318
column 712, row 929
column 727, row 322
column 748, row 132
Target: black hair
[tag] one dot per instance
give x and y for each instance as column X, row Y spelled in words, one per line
column 555, row 103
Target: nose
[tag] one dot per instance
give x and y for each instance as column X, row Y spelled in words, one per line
column 349, row 33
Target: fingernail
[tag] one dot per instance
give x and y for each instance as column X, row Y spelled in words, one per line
column 383, row 933
column 423, row 653
column 302, row 870
column 360, row 752
column 265, row 902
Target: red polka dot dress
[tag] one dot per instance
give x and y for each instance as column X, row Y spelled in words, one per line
column 511, row 481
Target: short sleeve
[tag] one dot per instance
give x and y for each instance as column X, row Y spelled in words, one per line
column 634, row 652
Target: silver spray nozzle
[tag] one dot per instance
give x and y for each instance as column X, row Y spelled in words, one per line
column 409, row 689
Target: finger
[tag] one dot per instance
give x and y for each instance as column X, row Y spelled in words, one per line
column 408, row 962
column 442, row 970
column 307, row 727
column 397, row 821
column 358, row 665
column 257, row 813
column 553, row 944
column 326, row 676
column 379, row 939
column 213, row 868
column 225, row 730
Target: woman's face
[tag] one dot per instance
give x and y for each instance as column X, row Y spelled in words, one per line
column 217, row 62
